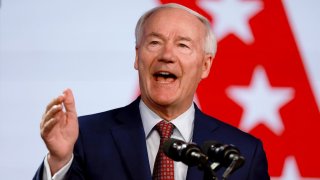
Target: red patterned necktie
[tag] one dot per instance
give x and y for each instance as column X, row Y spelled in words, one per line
column 163, row 166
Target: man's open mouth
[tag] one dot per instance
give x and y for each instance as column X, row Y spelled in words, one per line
column 164, row 76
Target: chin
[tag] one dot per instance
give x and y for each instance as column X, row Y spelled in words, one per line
column 164, row 100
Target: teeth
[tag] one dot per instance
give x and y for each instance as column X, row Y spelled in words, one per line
column 164, row 73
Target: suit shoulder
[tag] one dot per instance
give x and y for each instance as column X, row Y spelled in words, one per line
column 107, row 119
column 233, row 134
column 101, row 119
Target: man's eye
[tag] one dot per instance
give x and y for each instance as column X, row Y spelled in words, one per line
column 183, row 45
column 154, row 42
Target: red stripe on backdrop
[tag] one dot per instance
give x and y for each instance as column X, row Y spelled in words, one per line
column 258, row 77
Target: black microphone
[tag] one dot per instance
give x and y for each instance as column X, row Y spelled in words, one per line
column 189, row 154
column 226, row 155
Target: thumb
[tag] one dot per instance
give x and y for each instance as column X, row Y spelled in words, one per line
column 69, row 102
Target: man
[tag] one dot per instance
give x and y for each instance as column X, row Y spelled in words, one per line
column 174, row 52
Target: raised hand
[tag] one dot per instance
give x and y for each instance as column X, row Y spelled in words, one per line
column 60, row 129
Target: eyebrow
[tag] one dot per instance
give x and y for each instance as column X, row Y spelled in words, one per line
column 154, row 34
column 180, row 38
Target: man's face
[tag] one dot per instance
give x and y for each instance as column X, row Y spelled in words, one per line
column 171, row 60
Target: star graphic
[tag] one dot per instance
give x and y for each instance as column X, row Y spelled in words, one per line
column 261, row 102
column 291, row 171
column 232, row 17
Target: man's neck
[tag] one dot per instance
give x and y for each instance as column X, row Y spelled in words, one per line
column 169, row 112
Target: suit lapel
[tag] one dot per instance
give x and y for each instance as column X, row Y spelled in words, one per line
column 204, row 128
column 129, row 137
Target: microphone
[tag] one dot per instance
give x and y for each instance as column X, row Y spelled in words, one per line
column 189, row 154
column 226, row 155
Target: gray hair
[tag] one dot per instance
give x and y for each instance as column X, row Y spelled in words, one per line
column 210, row 45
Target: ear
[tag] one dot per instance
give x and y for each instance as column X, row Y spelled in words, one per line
column 136, row 60
column 206, row 66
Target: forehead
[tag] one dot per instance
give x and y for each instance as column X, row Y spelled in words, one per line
column 173, row 21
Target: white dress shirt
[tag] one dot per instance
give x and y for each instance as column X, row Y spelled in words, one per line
column 183, row 130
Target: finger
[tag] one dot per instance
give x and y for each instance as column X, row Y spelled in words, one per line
column 69, row 102
column 48, row 126
column 55, row 101
column 52, row 113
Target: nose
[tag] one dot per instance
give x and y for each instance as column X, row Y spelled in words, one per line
column 167, row 54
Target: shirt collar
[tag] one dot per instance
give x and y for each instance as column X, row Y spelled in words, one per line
column 183, row 123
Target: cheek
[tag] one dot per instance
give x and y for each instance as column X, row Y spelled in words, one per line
column 141, row 61
column 143, row 66
column 194, row 71
column 192, row 61
column 145, row 55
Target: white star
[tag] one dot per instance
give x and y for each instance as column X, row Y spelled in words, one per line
column 261, row 102
column 291, row 171
column 232, row 17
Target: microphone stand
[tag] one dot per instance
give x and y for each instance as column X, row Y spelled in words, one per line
column 237, row 162
column 208, row 168
column 209, row 174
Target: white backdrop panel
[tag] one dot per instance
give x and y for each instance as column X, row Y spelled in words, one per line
column 88, row 46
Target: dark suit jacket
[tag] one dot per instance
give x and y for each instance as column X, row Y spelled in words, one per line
column 112, row 146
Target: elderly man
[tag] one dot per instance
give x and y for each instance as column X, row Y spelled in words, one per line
column 174, row 52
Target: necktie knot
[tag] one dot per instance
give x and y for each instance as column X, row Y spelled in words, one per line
column 165, row 129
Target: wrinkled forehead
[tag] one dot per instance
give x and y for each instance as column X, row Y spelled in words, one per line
column 168, row 20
